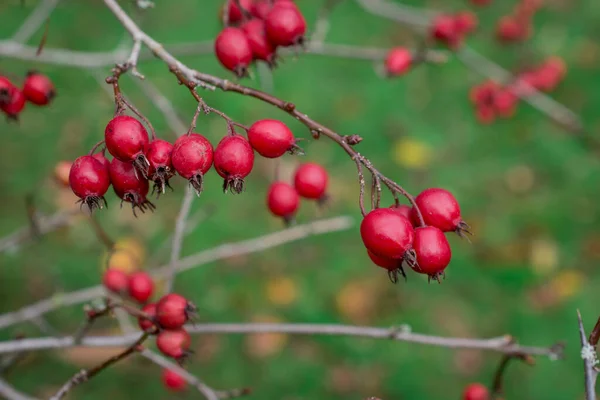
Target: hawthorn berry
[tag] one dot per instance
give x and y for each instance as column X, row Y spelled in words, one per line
column 271, row 138
column 141, row 286
column 173, row 310
column 14, row 105
column 262, row 48
column 129, row 185
column 466, row 21
column 145, row 324
column 476, row 391
column 432, row 251
column 115, row 280
column 285, row 25
column 445, row 30
column 126, row 139
column 233, row 50
column 505, row 103
column 102, row 158
column 174, row 343
column 235, row 14
column 511, row 29
column 173, row 381
column 89, row 180
column 310, row 181
column 61, row 172
column 6, row 90
column 233, row 159
column 283, row 200
column 393, row 266
column 402, row 209
column 398, row 61
column 439, row 208
column 192, row 157
column 387, row 234
column 158, row 153
column 38, row 89
column 260, row 8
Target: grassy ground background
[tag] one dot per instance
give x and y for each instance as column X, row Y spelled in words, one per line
column 528, row 188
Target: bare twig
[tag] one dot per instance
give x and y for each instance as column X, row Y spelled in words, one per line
column 321, row 26
column 497, row 385
column 34, row 20
column 133, row 59
column 91, row 316
column 101, row 233
column 179, row 234
column 10, row 393
column 590, row 359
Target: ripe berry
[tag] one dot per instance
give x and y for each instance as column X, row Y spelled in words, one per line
column 505, row 103
column 466, row 21
column 126, row 139
column 387, row 234
column 89, row 180
column 262, row 48
column 38, row 89
column 310, row 181
column 173, row 310
column 14, row 105
column 444, row 29
column 129, row 186
column 485, row 114
column 402, row 209
column 174, row 343
column 192, row 157
column 140, row 286
column 283, row 200
column 439, row 208
column 61, row 172
column 234, row 12
column 260, row 8
column 432, row 250
column 6, row 90
column 271, row 138
column 233, row 50
column 145, row 324
column 102, row 158
column 234, row 159
column 398, row 61
column 476, row 391
column 173, row 381
column 393, row 267
column 161, row 169
column 510, row 29
column 285, row 25
column 115, row 280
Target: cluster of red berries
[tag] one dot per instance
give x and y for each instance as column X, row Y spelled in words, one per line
column 37, row 89
column 310, row 182
column 396, row 235
column 476, row 391
column 138, row 159
column 518, row 26
column 262, row 27
column 452, row 29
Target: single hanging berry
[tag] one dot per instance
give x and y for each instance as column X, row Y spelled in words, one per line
column 310, row 181
column 38, row 89
column 271, row 138
column 173, row 310
column 173, row 381
column 174, row 343
column 285, row 25
column 283, row 201
column 89, row 180
column 432, row 251
column 439, row 208
column 233, row 159
column 161, row 168
column 145, row 324
column 130, row 186
column 126, row 139
column 262, row 48
column 445, row 30
column 476, row 391
column 192, row 157
column 141, row 286
column 398, row 61
column 233, row 50
column 14, row 105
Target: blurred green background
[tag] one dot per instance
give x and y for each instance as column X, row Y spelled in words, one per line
column 528, row 188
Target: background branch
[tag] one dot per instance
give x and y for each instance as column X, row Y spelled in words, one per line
column 34, row 21
column 590, row 359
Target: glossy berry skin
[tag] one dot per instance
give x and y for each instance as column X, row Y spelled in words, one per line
column 476, row 391
column 285, row 25
column 234, row 160
column 173, row 310
column 192, row 157
column 386, row 233
column 129, row 185
column 402, row 209
column 260, row 8
column 444, row 29
column 38, row 89
column 145, row 324
column 398, row 61
column 161, row 168
column 432, row 250
column 233, row 50
column 115, row 280
column 387, row 263
column 141, row 286
column 173, row 343
column 271, row 138
column 102, row 158
column 89, row 180
column 234, row 12
column 262, row 48
column 126, row 139
column 14, row 105
column 310, row 181
column 439, row 208
column 283, row 200
column 173, row 381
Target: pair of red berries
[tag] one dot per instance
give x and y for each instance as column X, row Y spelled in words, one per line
column 139, row 285
column 395, row 235
column 545, row 77
column 310, row 182
column 37, row 89
column 273, row 24
column 452, row 29
column 492, row 100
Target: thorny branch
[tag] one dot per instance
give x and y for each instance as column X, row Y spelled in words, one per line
column 590, row 360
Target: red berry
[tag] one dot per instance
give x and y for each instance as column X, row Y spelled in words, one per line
column 485, row 114
column 285, row 25
column 283, row 200
column 387, row 234
column 398, row 61
column 271, row 138
column 233, row 50
column 140, row 286
column 402, row 209
column 102, row 158
column 439, row 208
column 173, row 381
column 234, row 159
column 234, row 12
column 89, row 180
column 262, row 48
column 129, row 185
column 484, row 92
column 505, row 103
column 444, row 29
column 145, row 324
column 387, row 263
column 476, row 391
column 260, row 8
column 161, row 168
column 115, row 280
column 510, row 29
column 14, row 105
column 192, row 157
column 38, row 89
column 174, row 343
column 6, row 90
column 126, row 139
column 432, row 250
column 311, row 180
column 466, row 21
column 173, row 310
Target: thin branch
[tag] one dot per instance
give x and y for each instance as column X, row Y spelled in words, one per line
column 179, row 234
column 133, row 59
column 397, row 12
column 91, row 317
column 590, row 359
column 369, row 53
column 10, row 393
column 321, row 26
column 34, row 20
